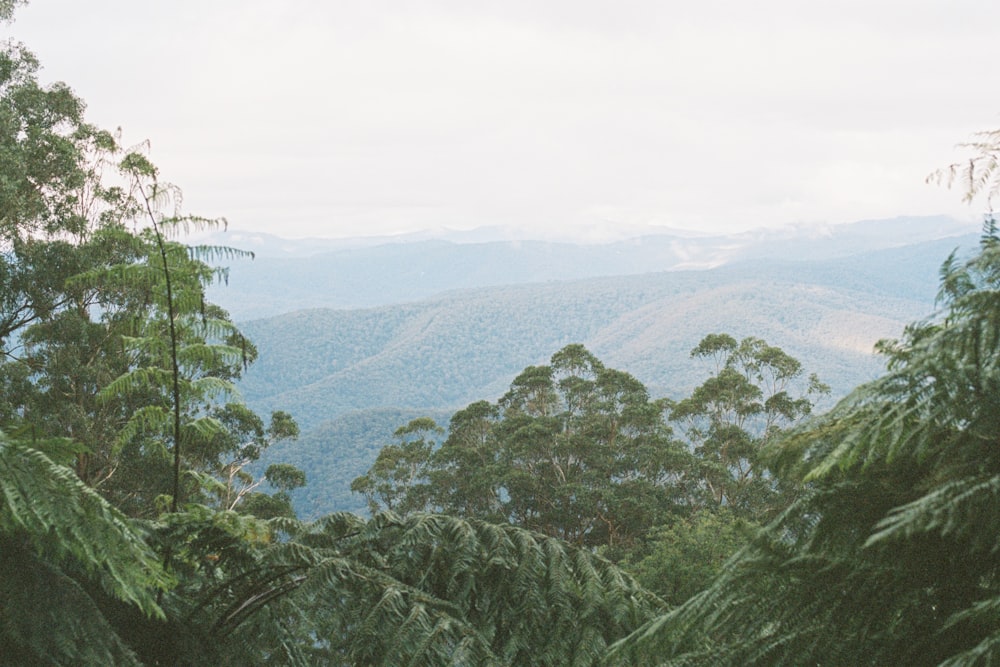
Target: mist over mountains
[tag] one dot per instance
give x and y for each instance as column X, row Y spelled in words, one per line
column 293, row 274
column 358, row 340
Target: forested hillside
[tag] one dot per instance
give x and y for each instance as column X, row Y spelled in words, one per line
column 566, row 516
column 466, row 344
column 445, row 352
column 132, row 531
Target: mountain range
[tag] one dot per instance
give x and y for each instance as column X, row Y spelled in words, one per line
column 293, row 274
column 429, row 326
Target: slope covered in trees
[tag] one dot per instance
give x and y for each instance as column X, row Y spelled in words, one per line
column 132, row 533
column 125, row 535
column 463, row 346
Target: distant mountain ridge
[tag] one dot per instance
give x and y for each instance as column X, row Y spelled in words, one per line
column 352, row 375
column 291, row 274
column 465, row 344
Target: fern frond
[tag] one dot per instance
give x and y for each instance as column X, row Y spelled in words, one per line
column 986, row 652
column 47, row 618
column 960, row 509
column 138, row 379
column 431, row 590
column 217, row 253
column 54, row 512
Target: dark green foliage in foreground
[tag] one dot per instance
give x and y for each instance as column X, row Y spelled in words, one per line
column 81, row 586
column 63, row 548
column 892, row 555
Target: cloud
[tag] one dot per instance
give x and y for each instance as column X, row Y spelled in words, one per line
column 343, row 118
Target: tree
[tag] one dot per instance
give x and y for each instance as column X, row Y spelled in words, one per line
column 105, row 332
column 468, row 468
column 398, row 480
column 79, row 286
column 755, row 392
column 54, row 211
column 684, row 556
column 574, row 450
column 63, row 549
column 891, row 556
column 242, row 440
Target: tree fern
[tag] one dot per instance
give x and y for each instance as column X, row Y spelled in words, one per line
column 57, row 536
column 424, row 590
column 892, row 556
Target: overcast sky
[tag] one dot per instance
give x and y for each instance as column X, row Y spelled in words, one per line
column 342, row 118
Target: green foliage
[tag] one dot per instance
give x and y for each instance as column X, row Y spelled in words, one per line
column 48, row 157
column 335, row 453
column 231, row 451
column 427, row 589
column 398, row 478
column 7, row 8
column 756, row 391
column 978, row 174
column 574, row 450
column 891, row 557
column 106, row 336
column 683, row 557
column 62, row 545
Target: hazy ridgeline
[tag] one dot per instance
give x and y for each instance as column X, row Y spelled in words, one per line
column 350, row 376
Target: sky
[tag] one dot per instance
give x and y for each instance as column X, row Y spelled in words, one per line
column 581, row 119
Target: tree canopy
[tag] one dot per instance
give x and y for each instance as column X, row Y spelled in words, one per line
column 579, row 451
column 574, row 450
column 132, row 530
column 890, row 554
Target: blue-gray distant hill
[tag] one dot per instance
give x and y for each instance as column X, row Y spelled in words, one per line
column 352, row 375
column 289, row 275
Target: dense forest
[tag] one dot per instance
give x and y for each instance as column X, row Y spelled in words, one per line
column 575, row 520
column 349, row 375
column 461, row 346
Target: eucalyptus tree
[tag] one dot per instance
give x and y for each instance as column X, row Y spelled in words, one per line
column 62, row 213
column 574, row 450
column 755, row 391
column 240, row 443
column 54, row 206
column 399, row 481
